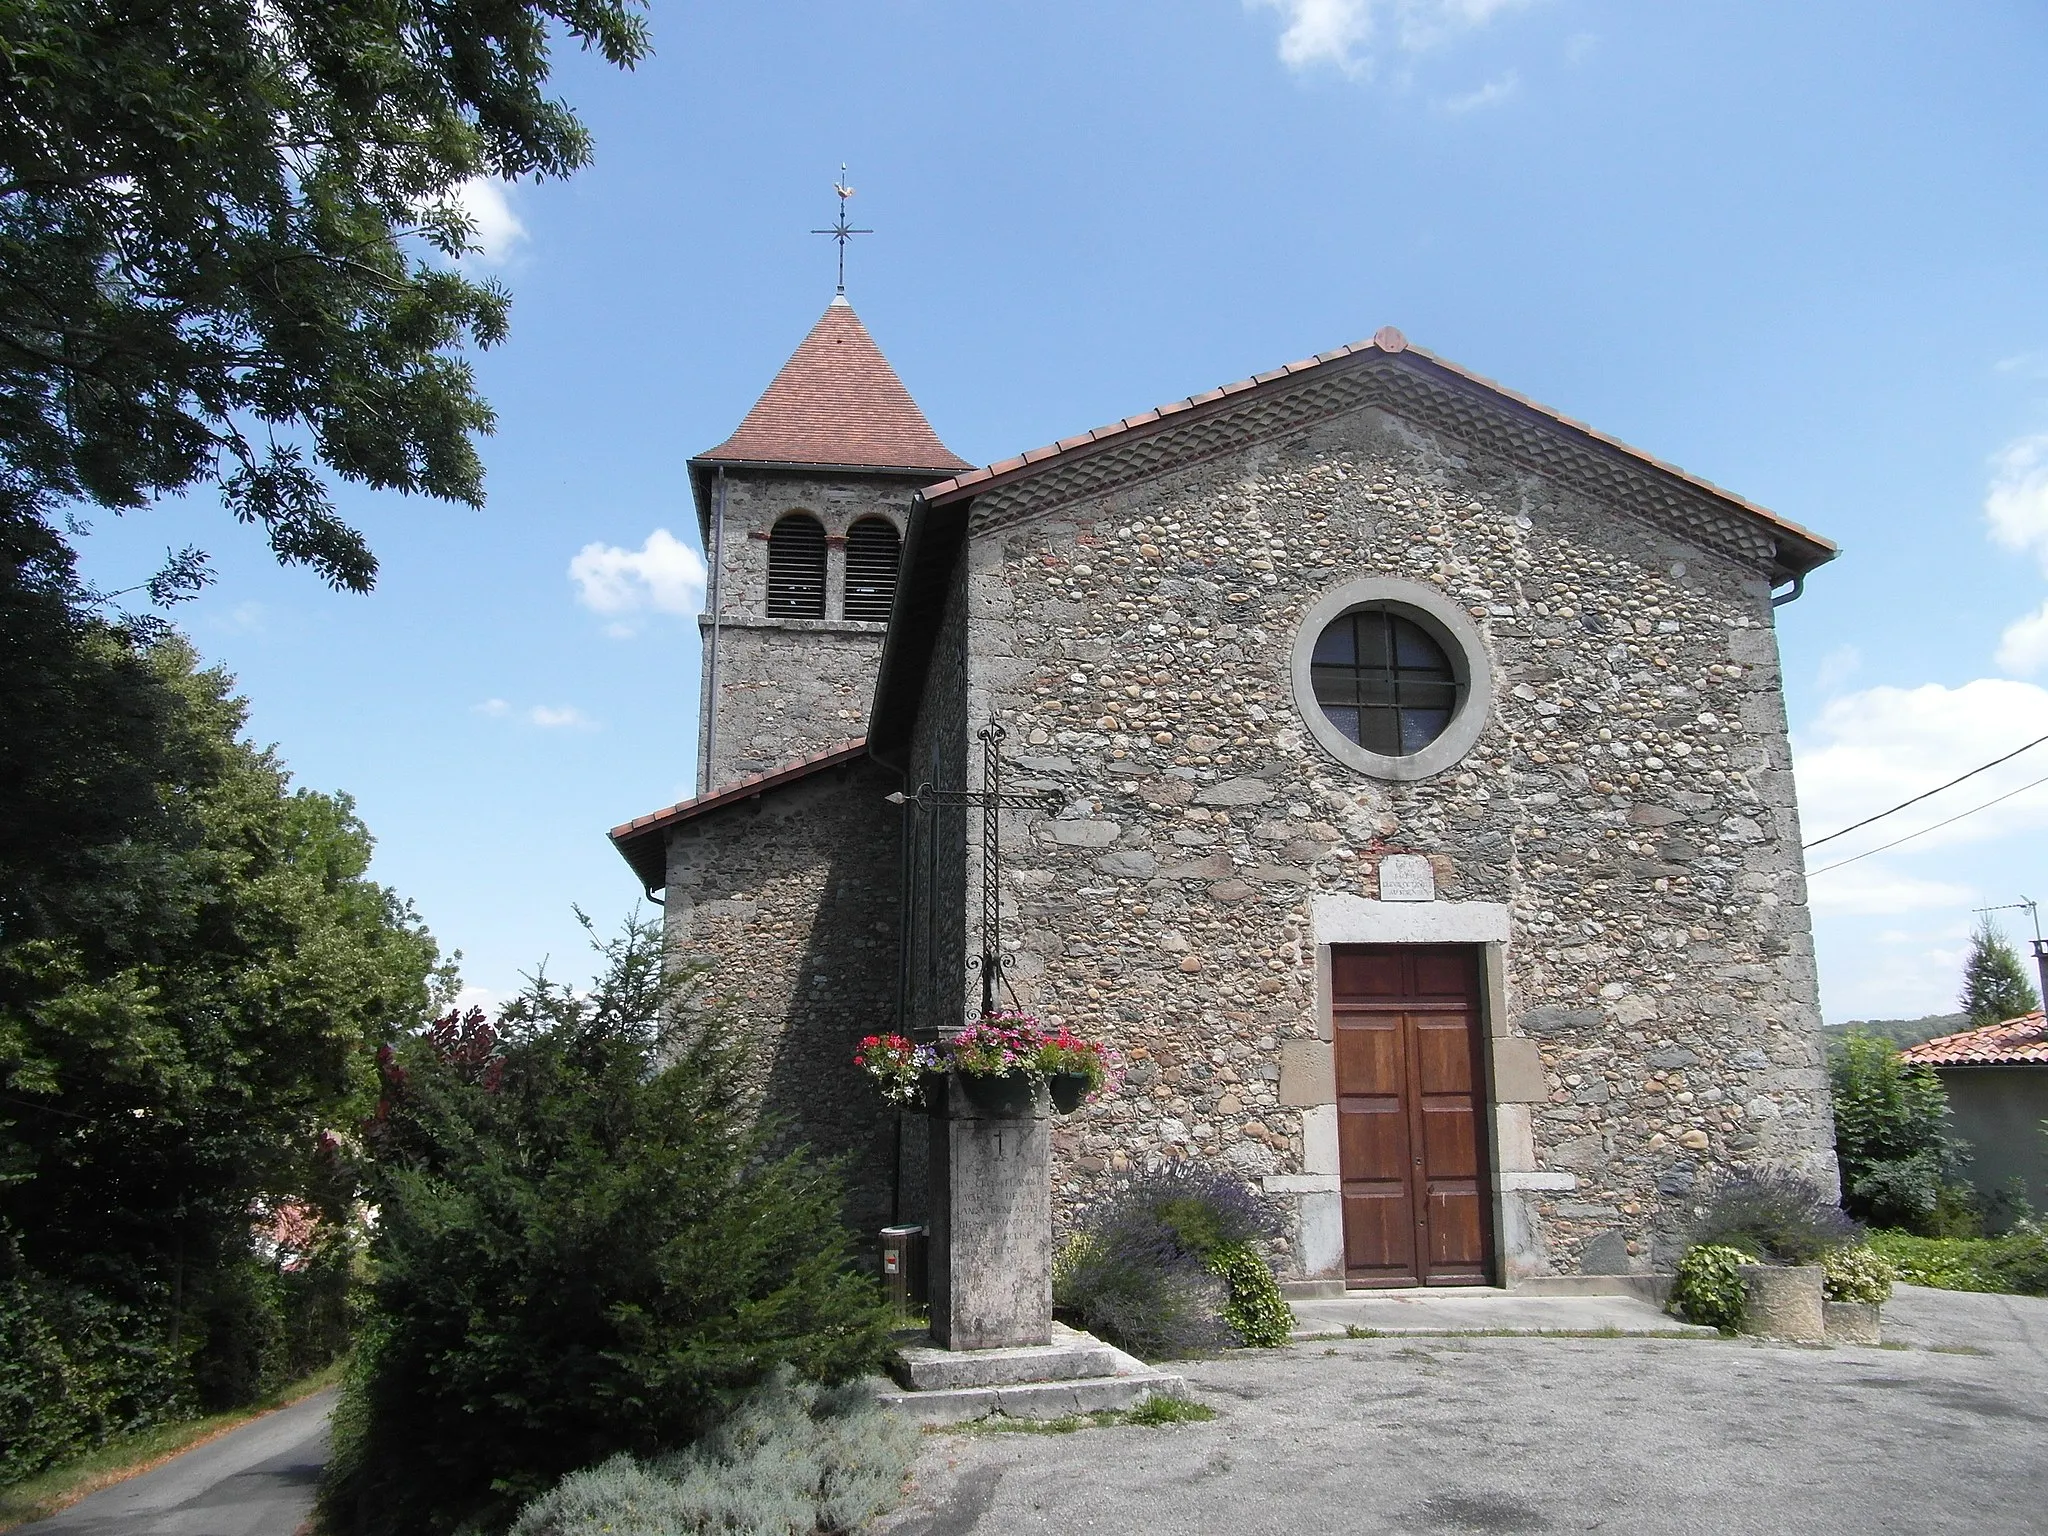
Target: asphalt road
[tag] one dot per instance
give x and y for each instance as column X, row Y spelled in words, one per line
column 1642, row 1436
column 254, row 1481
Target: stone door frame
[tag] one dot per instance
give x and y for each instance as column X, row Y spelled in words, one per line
column 1515, row 1083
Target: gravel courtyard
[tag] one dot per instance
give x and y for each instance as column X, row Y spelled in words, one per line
column 1526, row 1434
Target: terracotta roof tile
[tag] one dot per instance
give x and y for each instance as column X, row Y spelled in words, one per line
column 837, row 401
column 2015, row 1043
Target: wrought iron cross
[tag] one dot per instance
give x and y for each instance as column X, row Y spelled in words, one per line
column 841, row 231
column 993, row 802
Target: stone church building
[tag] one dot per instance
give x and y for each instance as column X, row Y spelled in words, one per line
column 1418, row 812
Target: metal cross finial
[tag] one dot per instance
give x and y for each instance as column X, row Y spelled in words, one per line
column 841, row 231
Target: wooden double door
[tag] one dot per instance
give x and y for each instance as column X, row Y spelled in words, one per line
column 1411, row 1115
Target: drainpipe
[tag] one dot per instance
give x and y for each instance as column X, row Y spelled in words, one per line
column 717, row 609
column 1798, row 586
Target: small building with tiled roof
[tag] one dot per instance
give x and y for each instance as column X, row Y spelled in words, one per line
column 1997, row 1082
column 1425, row 839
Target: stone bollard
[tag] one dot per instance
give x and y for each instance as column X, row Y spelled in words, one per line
column 990, row 1184
column 1784, row 1302
column 1852, row 1322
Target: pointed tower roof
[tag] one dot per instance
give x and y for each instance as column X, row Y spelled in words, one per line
column 838, row 402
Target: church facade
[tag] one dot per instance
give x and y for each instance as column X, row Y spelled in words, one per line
column 1419, row 820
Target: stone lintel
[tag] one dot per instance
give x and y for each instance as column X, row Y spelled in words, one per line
column 1342, row 919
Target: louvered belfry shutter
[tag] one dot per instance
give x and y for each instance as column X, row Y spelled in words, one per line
column 872, row 552
column 796, row 568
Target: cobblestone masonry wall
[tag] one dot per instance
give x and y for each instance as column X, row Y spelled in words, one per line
column 790, row 902
column 1631, row 801
column 790, row 687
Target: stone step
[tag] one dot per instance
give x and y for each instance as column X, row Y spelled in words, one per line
column 1034, row 1399
column 925, row 1368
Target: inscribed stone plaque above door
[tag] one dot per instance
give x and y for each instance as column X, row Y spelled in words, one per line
column 1407, row 877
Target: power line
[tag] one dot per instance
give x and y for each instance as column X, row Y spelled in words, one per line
column 1951, row 784
column 1881, row 847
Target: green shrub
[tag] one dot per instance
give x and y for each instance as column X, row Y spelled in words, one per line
column 584, row 1247
column 1143, row 1271
column 1857, row 1274
column 791, row 1459
column 2016, row 1263
column 76, row 1370
column 1890, row 1142
column 1129, row 1283
column 1256, row 1311
column 1780, row 1216
column 1708, row 1290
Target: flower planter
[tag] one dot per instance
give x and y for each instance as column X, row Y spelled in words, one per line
column 1783, row 1302
column 1851, row 1322
column 1068, row 1090
column 1010, row 1093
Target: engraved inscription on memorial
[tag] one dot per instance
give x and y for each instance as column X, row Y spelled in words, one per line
column 1407, row 877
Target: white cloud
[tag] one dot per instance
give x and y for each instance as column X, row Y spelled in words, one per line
column 1902, row 973
column 1871, row 750
column 1868, row 889
column 2028, row 365
column 548, row 717
column 487, row 998
column 1836, row 668
column 568, row 717
column 1342, row 33
column 2017, row 504
column 495, row 227
column 664, row 575
column 2023, row 648
column 1491, row 94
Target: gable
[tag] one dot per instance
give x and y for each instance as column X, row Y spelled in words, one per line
column 1385, row 373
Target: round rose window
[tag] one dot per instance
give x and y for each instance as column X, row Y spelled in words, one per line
column 1383, row 681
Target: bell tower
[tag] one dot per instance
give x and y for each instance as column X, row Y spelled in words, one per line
column 802, row 512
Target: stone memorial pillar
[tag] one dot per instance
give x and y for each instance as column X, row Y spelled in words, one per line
column 990, row 1194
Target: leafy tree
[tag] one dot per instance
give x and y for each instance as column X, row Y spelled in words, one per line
column 584, row 1247
column 195, row 971
column 1894, row 1154
column 1995, row 984
column 224, row 237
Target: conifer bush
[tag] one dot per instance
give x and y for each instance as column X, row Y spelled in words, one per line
column 584, row 1247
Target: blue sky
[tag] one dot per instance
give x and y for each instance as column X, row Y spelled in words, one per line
column 1800, row 250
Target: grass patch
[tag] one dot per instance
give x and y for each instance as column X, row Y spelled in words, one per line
column 1353, row 1331
column 1957, row 1349
column 1159, row 1409
column 34, row 1498
column 1155, row 1412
